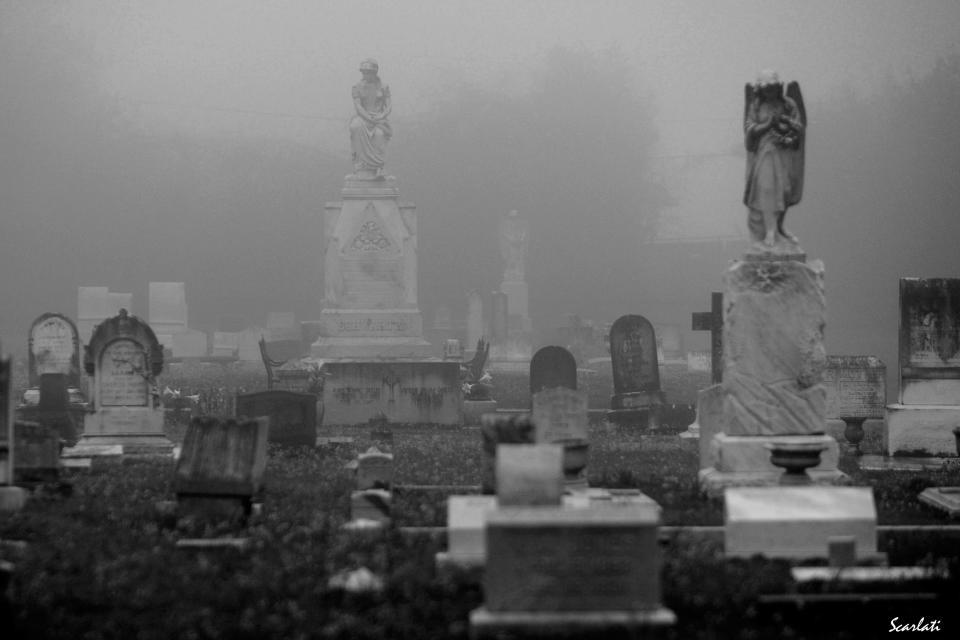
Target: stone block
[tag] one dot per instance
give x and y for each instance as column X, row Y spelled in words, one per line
column 474, row 409
column 923, row 392
column 542, row 559
column 529, row 474
column 406, row 391
column 293, row 416
column 945, row 499
column 222, row 458
column 798, row 522
column 466, row 527
column 921, row 430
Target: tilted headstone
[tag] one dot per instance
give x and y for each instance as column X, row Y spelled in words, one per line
column 552, row 367
column 529, row 475
column 637, row 397
column 221, row 460
column 54, row 347
column 124, row 357
column 929, row 402
column 293, row 416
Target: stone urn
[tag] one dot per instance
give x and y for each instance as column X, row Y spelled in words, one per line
column 795, row 457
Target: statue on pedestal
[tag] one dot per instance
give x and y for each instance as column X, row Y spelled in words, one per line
column 369, row 128
column 514, row 239
column 774, row 128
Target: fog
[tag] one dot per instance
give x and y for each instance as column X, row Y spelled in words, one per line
column 198, row 142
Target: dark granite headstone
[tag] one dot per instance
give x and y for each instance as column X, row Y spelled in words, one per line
column 53, row 392
column 37, row 455
column 552, row 367
column 636, row 374
column 293, row 416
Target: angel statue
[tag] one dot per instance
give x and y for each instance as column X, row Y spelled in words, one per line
column 774, row 128
column 369, row 128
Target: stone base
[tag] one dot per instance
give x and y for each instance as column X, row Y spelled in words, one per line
column 508, row 366
column 943, row 498
column 738, row 454
column 446, row 561
column 566, row 624
column 637, row 418
column 473, row 409
column 132, row 443
column 406, row 391
column 902, row 463
column 921, row 429
column 12, row 498
column 714, row 482
column 396, row 348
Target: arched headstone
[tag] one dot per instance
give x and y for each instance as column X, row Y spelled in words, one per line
column 552, row 367
column 54, row 347
column 636, row 372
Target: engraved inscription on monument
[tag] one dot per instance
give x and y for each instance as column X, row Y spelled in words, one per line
column 855, row 386
column 122, row 375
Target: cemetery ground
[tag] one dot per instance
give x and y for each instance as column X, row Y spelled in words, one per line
column 104, row 561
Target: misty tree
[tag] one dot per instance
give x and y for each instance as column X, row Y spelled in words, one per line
column 570, row 151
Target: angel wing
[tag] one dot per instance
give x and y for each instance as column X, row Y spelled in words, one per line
column 795, row 156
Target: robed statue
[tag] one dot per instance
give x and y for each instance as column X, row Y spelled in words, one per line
column 369, row 128
column 774, row 127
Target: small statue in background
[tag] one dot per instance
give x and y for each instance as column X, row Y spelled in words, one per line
column 774, row 127
column 369, row 128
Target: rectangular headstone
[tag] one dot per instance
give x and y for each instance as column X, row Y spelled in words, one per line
column 603, row 558
column 798, row 522
column 560, row 415
column 856, row 387
column 222, row 458
column 633, row 350
column 529, row 474
column 466, row 526
column 293, row 416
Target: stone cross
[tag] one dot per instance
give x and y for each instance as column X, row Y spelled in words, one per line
column 712, row 321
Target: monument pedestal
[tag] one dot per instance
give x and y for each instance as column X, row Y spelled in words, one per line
column 139, row 430
column 772, row 388
column 639, row 408
column 369, row 304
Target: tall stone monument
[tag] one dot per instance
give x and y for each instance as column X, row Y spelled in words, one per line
column 369, row 306
column 513, row 351
column 774, row 314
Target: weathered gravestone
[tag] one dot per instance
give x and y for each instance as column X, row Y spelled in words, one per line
column 293, row 416
column 496, row 430
column 576, row 571
column 125, row 358
column 54, row 347
column 929, row 404
column 12, row 498
column 856, row 392
column 221, row 466
column 552, row 367
column 560, row 417
column 637, row 398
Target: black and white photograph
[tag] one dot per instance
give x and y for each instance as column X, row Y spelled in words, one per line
column 479, row 319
